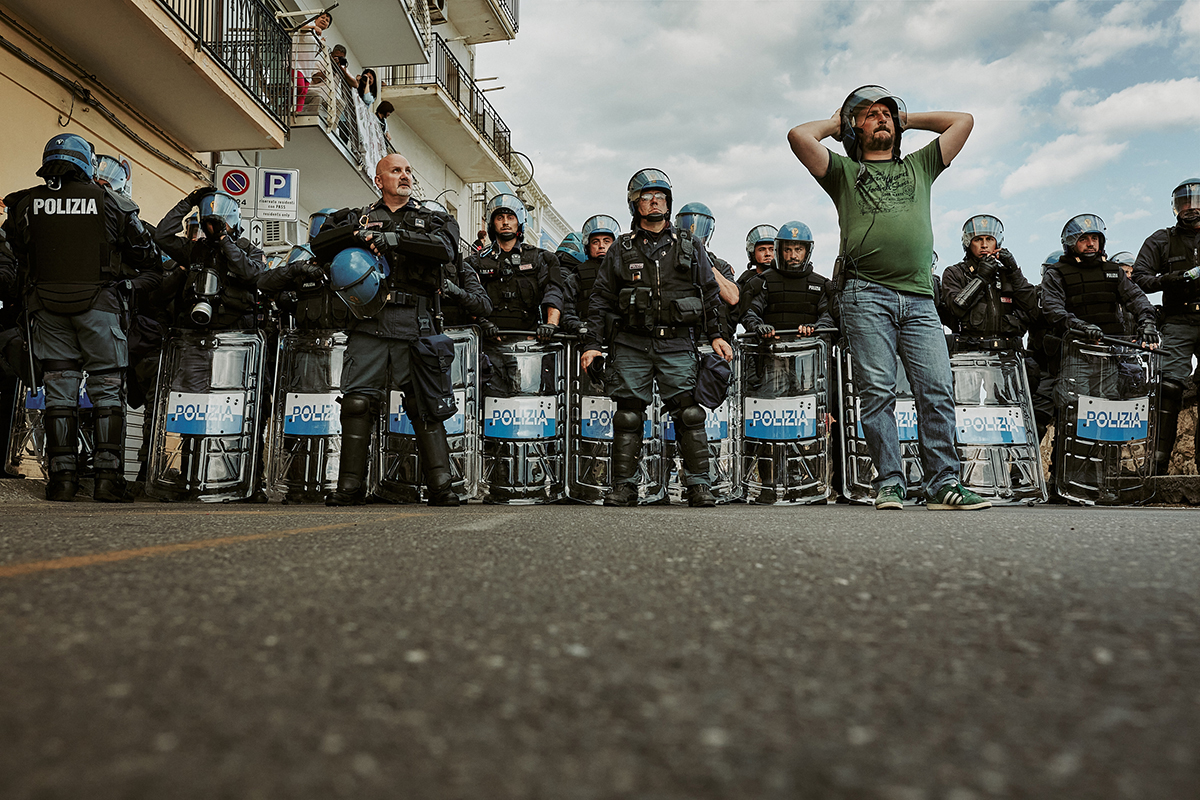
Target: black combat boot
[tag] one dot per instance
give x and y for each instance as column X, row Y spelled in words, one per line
column 109, row 456
column 358, row 420
column 1169, row 404
column 435, row 458
column 62, row 441
column 627, row 446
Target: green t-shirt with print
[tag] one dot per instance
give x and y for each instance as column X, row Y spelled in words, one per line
column 887, row 235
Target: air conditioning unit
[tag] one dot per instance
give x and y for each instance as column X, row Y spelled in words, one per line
column 437, row 11
column 280, row 233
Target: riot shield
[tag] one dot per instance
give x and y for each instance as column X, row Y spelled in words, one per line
column 787, row 446
column 27, row 447
column 723, row 426
column 206, row 435
column 305, row 443
column 1106, row 397
column 995, row 434
column 524, row 420
column 857, row 469
column 401, row 474
column 589, row 441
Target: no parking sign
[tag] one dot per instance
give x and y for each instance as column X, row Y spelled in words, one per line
column 239, row 183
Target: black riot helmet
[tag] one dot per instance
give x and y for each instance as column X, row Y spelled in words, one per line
column 857, row 104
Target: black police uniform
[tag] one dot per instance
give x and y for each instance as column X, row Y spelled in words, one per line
column 383, row 350
column 71, row 243
column 463, row 297
column 989, row 302
column 1160, row 265
column 652, row 291
column 578, row 293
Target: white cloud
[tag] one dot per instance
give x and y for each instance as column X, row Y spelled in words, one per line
column 1153, row 106
column 1123, row 216
column 1189, row 18
column 1061, row 161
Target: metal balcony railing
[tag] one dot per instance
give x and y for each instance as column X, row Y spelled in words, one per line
column 511, row 9
column 244, row 37
column 327, row 100
column 445, row 71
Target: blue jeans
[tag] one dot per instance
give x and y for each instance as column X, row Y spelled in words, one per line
column 881, row 323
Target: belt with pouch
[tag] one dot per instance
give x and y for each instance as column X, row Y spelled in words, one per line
column 663, row 331
column 405, row 299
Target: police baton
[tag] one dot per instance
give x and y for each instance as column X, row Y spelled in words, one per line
column 1113, row 340
column 779, row 334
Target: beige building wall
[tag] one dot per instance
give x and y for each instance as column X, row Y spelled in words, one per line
column 38, row 107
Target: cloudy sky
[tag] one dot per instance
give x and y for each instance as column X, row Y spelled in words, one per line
column 1078, row 106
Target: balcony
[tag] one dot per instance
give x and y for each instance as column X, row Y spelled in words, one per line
column 384, row 31
column 480, row 21
column 214, row 74
column 444, row 107
column 335, row 140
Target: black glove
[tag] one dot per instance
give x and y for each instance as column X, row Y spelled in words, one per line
column 307, row 271
column 546, row 331
column 453, row 290
column 1148, row 333
column 764, row 329
column 1086, row 330
column 1006, row 260
column 489, row 329
column 987, row 268
column 194, row 197
column 582, row 331
column 1172, row 279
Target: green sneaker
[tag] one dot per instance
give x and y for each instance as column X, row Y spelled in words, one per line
column 890, row 496
column 956, row 497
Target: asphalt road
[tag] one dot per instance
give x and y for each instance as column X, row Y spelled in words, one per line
column 190, row 651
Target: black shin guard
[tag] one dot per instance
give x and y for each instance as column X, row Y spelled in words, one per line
column 435, row 458
column 62, row 444
column 358, row 421
column 109, row 456
column 1169, row 404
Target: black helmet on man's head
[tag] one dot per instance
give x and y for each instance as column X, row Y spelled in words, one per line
column 1185, row 201
column 856, row 104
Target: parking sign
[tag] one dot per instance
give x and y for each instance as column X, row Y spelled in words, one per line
column 278, row 193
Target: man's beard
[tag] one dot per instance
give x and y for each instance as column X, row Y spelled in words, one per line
column 1191, row 217
column 880, row 141
column 404, row 191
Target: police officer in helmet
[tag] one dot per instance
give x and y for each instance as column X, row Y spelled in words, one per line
column 698, row 219
column 523, row 282
column 394, row 322
column 1169, row 261
column 760, row 250
column 985, row 294
column 70, row 238
column 599, row 232
column 656, row 285
column 788, row 297
column 1084, row 293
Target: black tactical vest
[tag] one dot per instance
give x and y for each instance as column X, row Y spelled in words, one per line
column 511, row 282
column 587, row 279
column 411, row 274
column 1181, row 258
column 319, row 309
column 237, row 299
column 986, row 317
column 792, row 300
column 658, row 298
column 71, row 257
column 1092, row 294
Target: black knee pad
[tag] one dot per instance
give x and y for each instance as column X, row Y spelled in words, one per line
column 627, row 421
column 690, row 417
column 679, row 401
column 356, row 405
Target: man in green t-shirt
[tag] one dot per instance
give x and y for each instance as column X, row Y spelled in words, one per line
column 884, row 286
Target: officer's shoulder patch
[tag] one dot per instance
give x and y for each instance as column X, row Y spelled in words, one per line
column 1112, row 275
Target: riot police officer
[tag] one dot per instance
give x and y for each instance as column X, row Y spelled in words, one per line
column 599, row 232
column 570, row 252
column 1083, row 293
column 985, row 294
column 698, row 219
column 70, row 238
column 760, row 250
column 395, row 325
column 788, row 297
column 523, row 282
column 656, row 285
column 1169, row 261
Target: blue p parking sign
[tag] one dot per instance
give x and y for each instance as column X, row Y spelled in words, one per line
column 278, row 193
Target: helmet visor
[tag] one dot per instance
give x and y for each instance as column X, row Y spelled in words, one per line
column 701, row 225
column 862, row 98
column 221, row 206
column 113, row 172
column 1185, row 197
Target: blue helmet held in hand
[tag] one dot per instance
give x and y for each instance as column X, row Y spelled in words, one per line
column 359, row 277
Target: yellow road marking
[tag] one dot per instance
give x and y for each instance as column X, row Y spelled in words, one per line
column 71, row 562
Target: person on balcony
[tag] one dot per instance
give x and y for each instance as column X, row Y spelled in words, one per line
column 308, row 58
